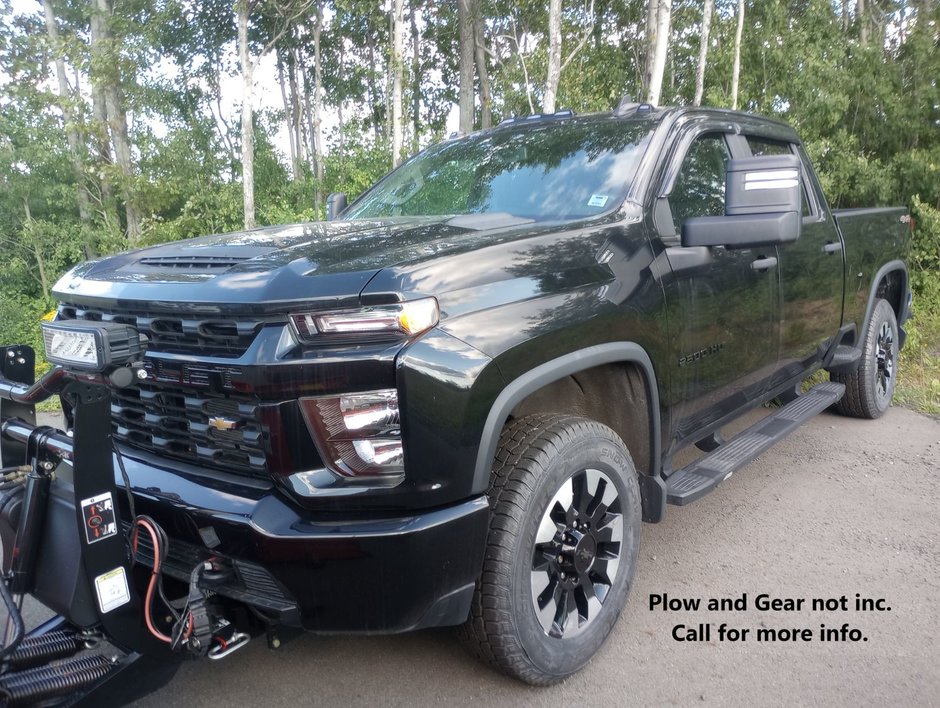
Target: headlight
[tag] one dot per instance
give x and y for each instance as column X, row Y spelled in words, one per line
column 405, row 318
column 91, row 346
column 358, row 434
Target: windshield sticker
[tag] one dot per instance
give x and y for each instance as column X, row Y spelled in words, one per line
column 597, row 200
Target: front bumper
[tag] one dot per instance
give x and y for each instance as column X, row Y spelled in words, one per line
column 326, row 573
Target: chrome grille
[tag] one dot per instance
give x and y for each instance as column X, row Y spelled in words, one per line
column 175, row 423
column 208, row 336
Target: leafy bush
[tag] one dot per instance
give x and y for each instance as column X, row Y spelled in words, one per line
column 919, row 382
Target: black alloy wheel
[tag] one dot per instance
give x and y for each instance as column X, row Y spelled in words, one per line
column 869, row 389
column 562, row 547
column 576, row 556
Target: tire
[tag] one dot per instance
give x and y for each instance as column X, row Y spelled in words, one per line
column 540, row 511
column 868, row 390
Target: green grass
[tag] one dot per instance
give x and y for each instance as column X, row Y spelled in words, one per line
column 918, row 384
column 50, row 405
column 919, row 377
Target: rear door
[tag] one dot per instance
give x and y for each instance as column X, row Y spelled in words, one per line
column 721, row 309
column 811, row 274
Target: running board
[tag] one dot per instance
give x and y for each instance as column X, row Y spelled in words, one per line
column 702, row 476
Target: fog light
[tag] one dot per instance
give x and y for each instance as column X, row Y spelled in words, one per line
column 358, row 434
column 71, row 347
column 379, row 452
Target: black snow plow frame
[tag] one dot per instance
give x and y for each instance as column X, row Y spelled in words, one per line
column 62, row 526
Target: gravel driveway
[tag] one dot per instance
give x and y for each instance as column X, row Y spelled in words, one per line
column 842, row 507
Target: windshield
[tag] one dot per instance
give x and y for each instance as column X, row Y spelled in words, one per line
column 545, row 172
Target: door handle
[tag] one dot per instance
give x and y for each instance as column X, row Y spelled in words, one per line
column 764, row 263
column 831, row 248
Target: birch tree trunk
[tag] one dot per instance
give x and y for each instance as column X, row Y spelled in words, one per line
column 248, row 138
column 483, row 73
column 465, row 21
column 397, row 68
column 297, row 110
column 659, row 49
column 312, row 112
column 117, row 123
column 554, row 57
column 341, row 124
column 703, row 52
column 862, row 13
column 311, row 144
column 36, row 253
column 100, row 135
column 317, row 105
column 416, row 80
column 736, row 69
column 652, row 14
column 373, row 94
column 71, row 130
column 287, row 116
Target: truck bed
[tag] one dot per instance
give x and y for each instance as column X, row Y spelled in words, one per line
column 872, row 238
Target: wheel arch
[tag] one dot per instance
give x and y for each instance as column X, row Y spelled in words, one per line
column 891, row 283
column 555, row 370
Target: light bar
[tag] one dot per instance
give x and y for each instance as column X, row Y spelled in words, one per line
column 405, row 318
column 91, row 346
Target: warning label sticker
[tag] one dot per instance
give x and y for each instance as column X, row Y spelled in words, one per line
column 98, row 515
column 112, row 591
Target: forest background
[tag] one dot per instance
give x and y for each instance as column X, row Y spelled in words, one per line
column 114, row 134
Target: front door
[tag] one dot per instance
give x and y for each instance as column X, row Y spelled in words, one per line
column 721, row 303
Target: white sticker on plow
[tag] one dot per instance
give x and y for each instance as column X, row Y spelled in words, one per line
column 112, row 591
column 597, row 200
column 98, row 515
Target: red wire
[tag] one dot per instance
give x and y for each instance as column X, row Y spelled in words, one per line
column 153, row 580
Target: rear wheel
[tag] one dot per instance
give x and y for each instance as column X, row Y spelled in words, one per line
column 868, row 390
column 563, row 542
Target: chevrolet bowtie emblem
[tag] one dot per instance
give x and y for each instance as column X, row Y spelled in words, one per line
column 220, row 423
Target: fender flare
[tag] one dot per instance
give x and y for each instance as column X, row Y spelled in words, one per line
column 888, row 267
column 529, row 382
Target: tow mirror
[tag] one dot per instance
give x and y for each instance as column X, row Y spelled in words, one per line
column 762, row 206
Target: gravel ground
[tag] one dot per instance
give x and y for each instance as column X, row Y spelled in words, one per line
column 840, row 507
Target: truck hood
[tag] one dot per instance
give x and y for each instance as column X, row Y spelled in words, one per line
column 330, row 261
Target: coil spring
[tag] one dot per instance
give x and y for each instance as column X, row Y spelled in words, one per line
column 34, row 685
column 33, row 651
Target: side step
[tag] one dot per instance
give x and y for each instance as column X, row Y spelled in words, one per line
column 698, row 479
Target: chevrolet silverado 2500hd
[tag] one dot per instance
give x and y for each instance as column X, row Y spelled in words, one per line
column 455, row 402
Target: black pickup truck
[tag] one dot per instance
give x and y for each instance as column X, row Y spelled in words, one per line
column 455, row 402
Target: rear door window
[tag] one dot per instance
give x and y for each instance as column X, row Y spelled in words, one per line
column 765, row 146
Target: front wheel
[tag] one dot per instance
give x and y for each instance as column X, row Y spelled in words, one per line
column 562, row 547
column 868, row 390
